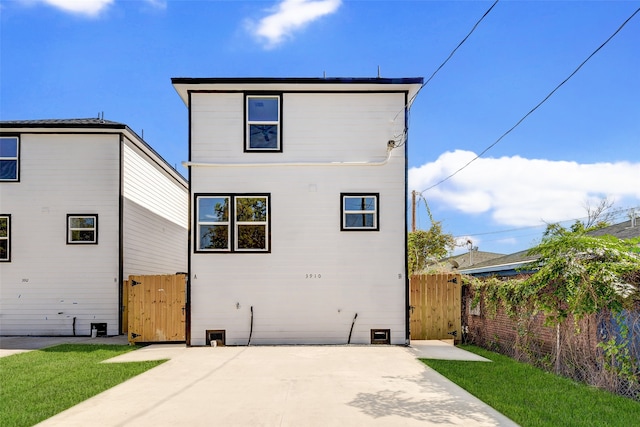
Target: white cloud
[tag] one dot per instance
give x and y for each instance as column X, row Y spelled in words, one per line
column 80, row 7
column 90, row 8
column 521, row 192
column 291, row 15
column 159, row 4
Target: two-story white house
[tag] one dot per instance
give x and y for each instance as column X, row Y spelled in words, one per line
column 298, row 210
column 84, row 203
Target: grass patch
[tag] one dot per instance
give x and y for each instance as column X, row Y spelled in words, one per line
column 39, row 384
column 532, row 397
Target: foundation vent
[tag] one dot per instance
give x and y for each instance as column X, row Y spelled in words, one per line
column 380, row 336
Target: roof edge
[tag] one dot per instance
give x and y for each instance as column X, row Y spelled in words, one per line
column 62, row 124
column 296, row 80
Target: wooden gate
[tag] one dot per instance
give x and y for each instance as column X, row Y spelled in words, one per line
column 435, row 301
column 156, row 308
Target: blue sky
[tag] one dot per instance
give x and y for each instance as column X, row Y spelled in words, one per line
column 75, row 59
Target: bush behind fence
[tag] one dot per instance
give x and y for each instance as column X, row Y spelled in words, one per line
column 602, row 350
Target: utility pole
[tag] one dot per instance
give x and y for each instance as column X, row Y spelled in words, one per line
column 413, row 210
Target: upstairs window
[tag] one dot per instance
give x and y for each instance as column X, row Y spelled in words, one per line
column 5, row 238
column 263, row 123
column 359, row 212
column 9, row 158
column 232, row 223
column 82, row 229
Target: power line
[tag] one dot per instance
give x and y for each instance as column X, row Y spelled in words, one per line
column 410, row 102
column 453, row 51
column 537, row 106
column 614, row 214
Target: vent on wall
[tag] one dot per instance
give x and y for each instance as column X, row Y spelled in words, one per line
column 380, row 336
column 101, row 329
column 216, row 336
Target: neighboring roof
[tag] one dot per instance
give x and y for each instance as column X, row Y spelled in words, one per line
column 93, row 123
column 467, row 259
column 508, row 264
column 624, row 230
column 504, row 265
column 62, row 123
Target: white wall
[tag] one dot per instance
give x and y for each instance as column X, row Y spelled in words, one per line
column 360, row 272
column 155, row 217
column 48, row 282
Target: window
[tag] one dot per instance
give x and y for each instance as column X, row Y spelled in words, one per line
column 9, row 154
column 359, row 212
column 82, row 229
column 5, row 238
column 232, row 223
column 263, row 123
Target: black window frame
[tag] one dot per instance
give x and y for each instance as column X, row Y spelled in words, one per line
column 70, row 241
column 232, row 224
column 376, row 213
column 17, row 158
column 247, row 124
column 7, row 238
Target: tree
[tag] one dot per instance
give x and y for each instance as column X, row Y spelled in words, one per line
column 597, row 217
column 427, row 246
column 580, row 275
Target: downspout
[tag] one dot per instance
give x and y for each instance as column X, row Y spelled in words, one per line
column 390, row 147
column 407, row 279
column 190, row 275
column 121, row 254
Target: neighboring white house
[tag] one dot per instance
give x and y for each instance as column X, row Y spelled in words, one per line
column 298, row 210
column 84, row 203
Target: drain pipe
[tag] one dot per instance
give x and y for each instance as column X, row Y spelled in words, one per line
column 74, row 326
column 351, row 331
column 251, row 329
column 390, row 147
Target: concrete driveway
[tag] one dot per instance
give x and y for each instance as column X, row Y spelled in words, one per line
column 285, row 386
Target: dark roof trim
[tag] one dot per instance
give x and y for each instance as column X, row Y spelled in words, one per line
column 295, row 80
column 63, row 123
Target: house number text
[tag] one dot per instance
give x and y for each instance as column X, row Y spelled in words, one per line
column 313, row 276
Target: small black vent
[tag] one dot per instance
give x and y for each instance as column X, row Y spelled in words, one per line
column 216, row 336
column 380, row 336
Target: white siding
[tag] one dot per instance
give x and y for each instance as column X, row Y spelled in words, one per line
column 48, row 283
column 155, row 217
column 361, row 272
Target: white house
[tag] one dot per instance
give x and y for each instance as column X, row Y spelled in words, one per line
column 84, row 203
column 297, row 210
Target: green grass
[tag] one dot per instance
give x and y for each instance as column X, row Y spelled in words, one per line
column 532, row 397
column 39, row 384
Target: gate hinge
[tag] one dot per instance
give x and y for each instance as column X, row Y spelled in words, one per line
column 134, row 335
column 135, row 282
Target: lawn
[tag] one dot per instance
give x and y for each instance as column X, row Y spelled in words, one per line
column 39, row 384
column 532, row 397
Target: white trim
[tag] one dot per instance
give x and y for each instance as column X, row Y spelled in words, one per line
column 246, row 165
column 496, row 268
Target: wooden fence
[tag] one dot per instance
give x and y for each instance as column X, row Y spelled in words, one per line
column 435, row 301
column 155, row 308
